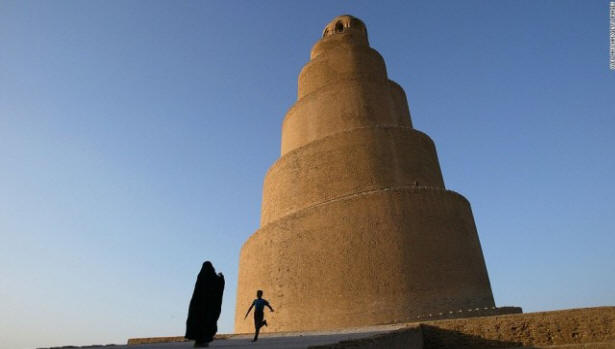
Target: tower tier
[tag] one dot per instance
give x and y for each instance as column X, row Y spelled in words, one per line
column 344, row 105
column 384, row 256
column 346, row 163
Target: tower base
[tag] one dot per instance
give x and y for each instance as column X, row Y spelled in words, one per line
column 384, row 256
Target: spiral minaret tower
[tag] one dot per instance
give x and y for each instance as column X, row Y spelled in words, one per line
column 357, row 227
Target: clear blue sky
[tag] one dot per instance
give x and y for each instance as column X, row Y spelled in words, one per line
column 134, row 138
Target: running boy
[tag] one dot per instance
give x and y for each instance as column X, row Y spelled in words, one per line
column 259, row 314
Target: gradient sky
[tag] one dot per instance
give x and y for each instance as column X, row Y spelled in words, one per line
column 135, row 135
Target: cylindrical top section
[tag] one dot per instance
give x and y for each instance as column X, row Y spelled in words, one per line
column 343, row 86
column 341, row 28
column 344, row 24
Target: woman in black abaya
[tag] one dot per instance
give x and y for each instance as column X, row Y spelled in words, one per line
column 205, row 306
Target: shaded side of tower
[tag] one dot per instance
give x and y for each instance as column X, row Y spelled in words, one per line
column 357, row 227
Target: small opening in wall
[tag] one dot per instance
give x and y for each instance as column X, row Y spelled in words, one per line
column 339, row 27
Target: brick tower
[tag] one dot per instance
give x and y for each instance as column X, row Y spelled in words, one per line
column 357, row 227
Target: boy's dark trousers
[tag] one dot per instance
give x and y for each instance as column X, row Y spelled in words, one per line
column 258, row 323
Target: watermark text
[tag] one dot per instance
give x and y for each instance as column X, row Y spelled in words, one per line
column 612, row 35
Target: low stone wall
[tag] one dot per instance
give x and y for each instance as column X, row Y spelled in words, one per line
column 565, row 329
column 172, row 339
column 574, row 326
column 152, row 340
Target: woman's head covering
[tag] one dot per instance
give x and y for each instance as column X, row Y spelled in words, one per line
column 207, row 270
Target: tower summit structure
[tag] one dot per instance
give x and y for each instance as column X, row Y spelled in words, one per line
column 357, row 227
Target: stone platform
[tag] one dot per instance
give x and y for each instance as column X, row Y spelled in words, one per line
column 590, row 328
column 563, row 329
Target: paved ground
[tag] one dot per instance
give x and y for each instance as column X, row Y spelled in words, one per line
column 288, row 340
column 265, row 342
column 246, row 342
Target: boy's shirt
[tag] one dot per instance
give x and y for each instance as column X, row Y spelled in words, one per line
column 259, row 305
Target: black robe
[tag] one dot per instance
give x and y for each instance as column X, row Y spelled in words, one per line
column 205, row 305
